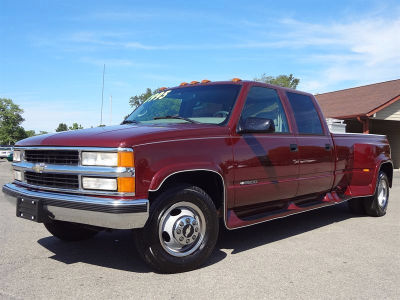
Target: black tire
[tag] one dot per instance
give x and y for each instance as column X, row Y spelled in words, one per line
column 150, row 242
column 68, row 231
column 356, row 206
column 375, row 206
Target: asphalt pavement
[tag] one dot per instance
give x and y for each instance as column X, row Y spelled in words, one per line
column 326, row 253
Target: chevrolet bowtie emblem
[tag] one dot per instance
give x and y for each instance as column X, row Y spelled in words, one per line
column 39, row 168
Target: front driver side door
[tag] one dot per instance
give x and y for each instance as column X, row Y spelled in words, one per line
column 266, row 163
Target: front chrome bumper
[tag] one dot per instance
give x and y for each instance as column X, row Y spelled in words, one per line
column 96, row 211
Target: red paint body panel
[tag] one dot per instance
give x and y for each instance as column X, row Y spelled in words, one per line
column 259, row 171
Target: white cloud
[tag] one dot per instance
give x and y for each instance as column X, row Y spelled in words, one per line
column 362, row 51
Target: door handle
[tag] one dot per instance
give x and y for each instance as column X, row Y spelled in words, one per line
column 294, row 148
column 328, row 147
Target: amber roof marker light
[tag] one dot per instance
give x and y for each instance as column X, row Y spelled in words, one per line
column 236, row 79
column 194, row 82
column 205, row 81
column 183, row 83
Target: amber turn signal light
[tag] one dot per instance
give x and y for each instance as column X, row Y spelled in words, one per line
column 126, row 159
column 126, row 184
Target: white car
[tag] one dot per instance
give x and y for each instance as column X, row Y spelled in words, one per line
column 5, row 152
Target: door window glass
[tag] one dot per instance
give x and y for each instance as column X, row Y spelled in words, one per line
column 305, row 114
column 265, row 103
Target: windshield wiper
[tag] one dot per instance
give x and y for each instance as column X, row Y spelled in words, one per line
column 176, row 117
column 129, row 122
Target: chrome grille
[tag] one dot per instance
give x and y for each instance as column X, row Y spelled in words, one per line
column 56, row 157
column 61, row 181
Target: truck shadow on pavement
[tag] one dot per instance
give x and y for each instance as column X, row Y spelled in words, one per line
column 116, row 249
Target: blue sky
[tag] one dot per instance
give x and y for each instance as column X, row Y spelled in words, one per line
column 52, row 52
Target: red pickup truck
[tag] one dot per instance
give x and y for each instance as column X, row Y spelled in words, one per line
column 240, row 151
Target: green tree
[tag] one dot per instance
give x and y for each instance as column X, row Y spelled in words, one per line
column 137, row 100
column 42, row 132
column 281, row 80
column 10, row 122
column 62, row 127
column 75, row 126
column 30, row 133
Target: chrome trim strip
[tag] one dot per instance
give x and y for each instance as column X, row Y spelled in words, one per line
column 104, row 212
column 71, row 191
column 193, row 170
column 183, row 140
column 78, row 170
column 100, row 149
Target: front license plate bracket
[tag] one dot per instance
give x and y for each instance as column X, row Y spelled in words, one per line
column 31, row 209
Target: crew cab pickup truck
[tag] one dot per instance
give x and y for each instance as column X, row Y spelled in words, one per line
column 193, row 158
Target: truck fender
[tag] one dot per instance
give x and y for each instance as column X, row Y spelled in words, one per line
column 163, row 174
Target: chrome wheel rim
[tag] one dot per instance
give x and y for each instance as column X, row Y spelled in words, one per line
column 181, row 229
column 382, row 193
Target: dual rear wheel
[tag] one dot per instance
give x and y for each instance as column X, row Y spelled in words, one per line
column 375, row 205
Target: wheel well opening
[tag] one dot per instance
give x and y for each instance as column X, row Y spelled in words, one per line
column 387, row 168
column 208, row 181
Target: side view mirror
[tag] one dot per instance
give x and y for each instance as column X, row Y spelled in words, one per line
column 257, row 125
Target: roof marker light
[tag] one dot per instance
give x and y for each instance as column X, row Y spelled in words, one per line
column 205, row 81
column 183, row 83
column 236, row 79
column 194, row 82
column 162, row 88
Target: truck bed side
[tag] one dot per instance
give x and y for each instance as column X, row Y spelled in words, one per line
column 359, row 157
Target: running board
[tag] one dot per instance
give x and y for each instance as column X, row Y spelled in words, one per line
column 233, row 221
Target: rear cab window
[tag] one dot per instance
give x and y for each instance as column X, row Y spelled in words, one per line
column 305, row 114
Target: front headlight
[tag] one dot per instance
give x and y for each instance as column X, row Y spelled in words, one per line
column 95, row 183
column 107, row 159
column 17, row 156
column 99, row 159
column 17, row 175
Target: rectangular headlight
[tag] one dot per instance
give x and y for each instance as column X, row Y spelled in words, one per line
column 17, row 175
column 100, row 159
column 93, row 183
column 17, row 156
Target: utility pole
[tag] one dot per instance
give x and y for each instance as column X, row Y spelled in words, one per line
column 111, row 110
column 102, row 94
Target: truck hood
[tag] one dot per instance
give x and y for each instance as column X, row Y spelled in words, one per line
column 125, row 135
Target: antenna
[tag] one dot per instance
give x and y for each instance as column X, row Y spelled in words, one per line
column 111, row 110
column 102, row 93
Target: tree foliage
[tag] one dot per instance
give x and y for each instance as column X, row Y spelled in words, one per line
column 75, row 126
column 30, row 133
column 137, row 100
column 10, row 122
column 62, row 127
column 281, row 80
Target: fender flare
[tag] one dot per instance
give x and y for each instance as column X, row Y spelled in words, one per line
column 163, row 174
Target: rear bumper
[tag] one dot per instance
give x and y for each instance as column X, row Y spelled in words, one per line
column 96, row 211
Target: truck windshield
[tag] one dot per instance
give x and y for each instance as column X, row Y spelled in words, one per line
column 196, row 104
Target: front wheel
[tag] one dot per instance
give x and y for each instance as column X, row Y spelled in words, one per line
column 181, row 232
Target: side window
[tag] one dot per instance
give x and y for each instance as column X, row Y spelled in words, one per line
column 306, row 115
column 265, row 103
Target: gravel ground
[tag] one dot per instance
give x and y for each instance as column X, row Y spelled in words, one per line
column 327, row 253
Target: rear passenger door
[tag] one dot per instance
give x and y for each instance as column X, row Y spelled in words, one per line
column 315, row 146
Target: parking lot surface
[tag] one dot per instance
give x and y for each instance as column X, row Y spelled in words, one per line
column 326, row 253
